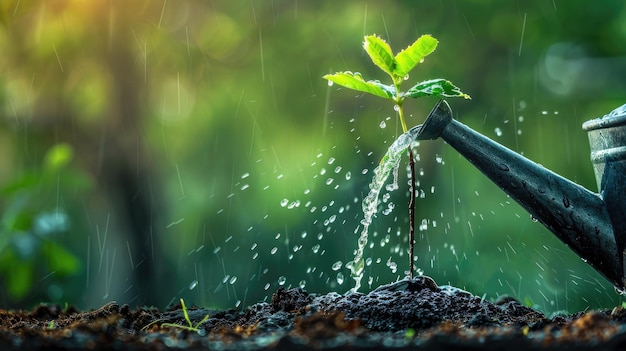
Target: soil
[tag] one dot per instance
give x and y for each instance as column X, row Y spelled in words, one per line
column 411, row 314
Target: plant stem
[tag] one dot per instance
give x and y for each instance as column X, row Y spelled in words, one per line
column 401, row 115
column 412, row 192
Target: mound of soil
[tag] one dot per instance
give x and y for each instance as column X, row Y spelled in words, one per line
column 411, row 314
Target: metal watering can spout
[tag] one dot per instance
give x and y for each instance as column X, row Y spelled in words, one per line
column 592, row 224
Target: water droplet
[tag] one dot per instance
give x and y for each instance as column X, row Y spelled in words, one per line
column 284, row 202
column 337, row 265
column 544, row 112
column 533, row 219
column 193, row 285
column 302, row 284
column 348, row 175
column 329, row 181
column 438, row 158
column 330, row 83
column 382, row 124
column 331, row 160
column 232, row 280
column 245, row 175
column 340, row 278
column 282, row 280
column 406, row 77
column 396, row 108
column 393, row 266
column 245, row 186
column 522, row 104
column 267, row 286
column 424, row 225
column 498, row 132
column 274, row 250
column 315, row 248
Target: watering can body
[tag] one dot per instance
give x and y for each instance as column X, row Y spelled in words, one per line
column 592, row 224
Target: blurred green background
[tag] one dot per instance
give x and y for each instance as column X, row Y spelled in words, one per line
column 151, row 150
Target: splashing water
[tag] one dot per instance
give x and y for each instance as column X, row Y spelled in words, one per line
column 389, row 163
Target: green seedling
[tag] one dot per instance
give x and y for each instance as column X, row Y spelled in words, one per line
column 398, row 68
column 409, row 334
column 190, row 326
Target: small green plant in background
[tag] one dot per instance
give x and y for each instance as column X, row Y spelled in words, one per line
column 31, row 219
column 398, row 68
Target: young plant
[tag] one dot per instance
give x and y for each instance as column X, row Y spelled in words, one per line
column 398, row 68
column 190, row 326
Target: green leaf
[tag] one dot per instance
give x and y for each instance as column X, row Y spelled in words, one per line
column 388, row 89
column 436, row 87
column 27, row 181
column 60, row 260
column 355, row 81
column 58, row 156
column 380, row 53
column 408, row 58
column 19, row 279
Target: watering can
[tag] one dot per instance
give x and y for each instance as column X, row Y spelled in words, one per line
column 592, row 224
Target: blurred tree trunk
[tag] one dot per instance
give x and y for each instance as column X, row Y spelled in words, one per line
column 126, row 176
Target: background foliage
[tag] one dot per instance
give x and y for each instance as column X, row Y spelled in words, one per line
column 151, row 150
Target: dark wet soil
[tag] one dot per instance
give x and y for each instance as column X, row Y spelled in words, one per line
column 407, row 315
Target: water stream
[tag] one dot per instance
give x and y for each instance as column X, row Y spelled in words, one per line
column 388, row 164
